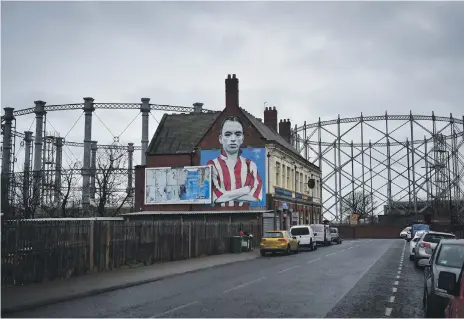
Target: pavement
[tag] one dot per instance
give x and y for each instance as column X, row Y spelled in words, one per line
column 359, row 278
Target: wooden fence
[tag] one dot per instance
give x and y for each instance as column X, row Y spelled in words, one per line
column 36, row 251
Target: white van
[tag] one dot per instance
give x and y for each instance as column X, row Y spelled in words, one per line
column 305, row 236
column 322, row 234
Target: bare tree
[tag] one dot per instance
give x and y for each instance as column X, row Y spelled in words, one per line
column 359, row 204
column 26, row 191
column 64, row 192
column 110, row 179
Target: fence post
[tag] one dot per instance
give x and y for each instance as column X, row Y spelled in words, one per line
column 107, row 246
column 190, row 240
column 91, row 245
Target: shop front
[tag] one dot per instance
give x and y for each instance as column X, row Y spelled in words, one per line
column 294, row 208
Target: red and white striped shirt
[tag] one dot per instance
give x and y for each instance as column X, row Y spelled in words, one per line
column 244, row 173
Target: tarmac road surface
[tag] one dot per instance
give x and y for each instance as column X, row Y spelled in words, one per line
column 360, row 278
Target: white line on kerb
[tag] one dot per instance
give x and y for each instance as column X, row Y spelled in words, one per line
column 396, row 283
column 392, row 298
column 288, row 269
column 330, row 254
column 394, row 289
column 175, row 309
column 388, row 312
column 312, row 260
column 243, row 285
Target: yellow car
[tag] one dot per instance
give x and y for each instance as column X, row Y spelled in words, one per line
column 278, row 241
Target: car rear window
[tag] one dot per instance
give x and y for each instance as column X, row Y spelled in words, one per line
column 273, row 235
column 451, row 256
column 435, row 238
column 317, row 228
column 299, row 231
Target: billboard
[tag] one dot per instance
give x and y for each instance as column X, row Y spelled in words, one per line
column 186, row 185
column 238, row 178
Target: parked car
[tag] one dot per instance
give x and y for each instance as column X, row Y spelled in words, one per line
column 440, row 276
column 335, row 235
column 455, row 308
column 322, row 234
column 404, row 232
column 427, row 243
column 278, row 241
column 413, row 243
column 305, row 236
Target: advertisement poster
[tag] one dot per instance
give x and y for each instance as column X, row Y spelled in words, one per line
column 187, row 185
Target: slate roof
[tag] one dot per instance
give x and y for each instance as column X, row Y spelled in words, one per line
column 180, row 133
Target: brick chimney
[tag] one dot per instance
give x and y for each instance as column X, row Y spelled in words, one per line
column 197, row 107
column 231, row 91
column 285, row 129
column 270, row 118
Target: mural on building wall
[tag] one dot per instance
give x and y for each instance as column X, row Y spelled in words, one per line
column 238, row 174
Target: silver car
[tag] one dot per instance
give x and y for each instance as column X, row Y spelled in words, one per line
column 444, row 266
column 427, row 243
column 413, row 243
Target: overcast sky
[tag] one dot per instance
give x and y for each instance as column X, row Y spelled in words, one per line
column 310, row 59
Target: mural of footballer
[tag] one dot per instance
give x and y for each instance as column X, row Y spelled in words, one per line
column 235, row 179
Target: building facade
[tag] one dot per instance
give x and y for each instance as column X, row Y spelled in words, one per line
column 255, row 171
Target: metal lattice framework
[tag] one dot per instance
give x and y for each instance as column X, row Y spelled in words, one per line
column 380, row 157
column 43, row 154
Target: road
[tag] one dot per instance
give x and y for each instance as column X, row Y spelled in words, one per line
column 361, row 278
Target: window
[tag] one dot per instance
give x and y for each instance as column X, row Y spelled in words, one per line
column 292, row 180
column 305, row 181
column 273, row 235
column 284, row 179
column 297, row 181
column 299, row 231
column 301, row 182
column 288, row 179
column 277, row 177
column 451, row 256
column 435, row 238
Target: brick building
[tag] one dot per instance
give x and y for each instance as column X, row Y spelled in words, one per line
column 194, row 140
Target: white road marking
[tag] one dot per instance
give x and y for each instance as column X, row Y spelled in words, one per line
column 175, row 309
column 397, row 277
column 399, row 272
column 312, row 260
column 388, row 311
column 243, row 285
column 341, row 250
column 394, row 289
column 396, row 283
column 296, row 266
column 330, row 254
column 350, row 247
column 392, row 298
column 357, row 245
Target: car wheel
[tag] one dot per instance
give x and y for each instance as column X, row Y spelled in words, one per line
column 289, row 250
column 315, row 245
column 416, row 262
column 411, row 257
column 263, row 253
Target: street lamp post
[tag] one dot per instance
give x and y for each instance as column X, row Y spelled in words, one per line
column 294, row 205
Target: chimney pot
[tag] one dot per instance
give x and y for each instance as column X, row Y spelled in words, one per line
column 271, row 119
column 285, row 129
column 234, row 76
